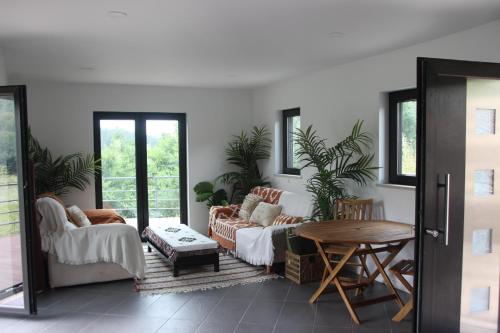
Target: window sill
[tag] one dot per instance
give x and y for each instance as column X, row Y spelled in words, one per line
column 397, row 186
column 286, row 175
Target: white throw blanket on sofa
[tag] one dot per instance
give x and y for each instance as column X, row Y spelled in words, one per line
column 255, row 245
column 116, row 243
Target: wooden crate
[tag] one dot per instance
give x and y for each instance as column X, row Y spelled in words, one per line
column 303, row 268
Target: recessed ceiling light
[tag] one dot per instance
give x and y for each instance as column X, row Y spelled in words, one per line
column 336, row 34
column 117, row 13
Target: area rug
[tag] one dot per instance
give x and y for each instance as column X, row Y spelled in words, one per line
column 160, row 280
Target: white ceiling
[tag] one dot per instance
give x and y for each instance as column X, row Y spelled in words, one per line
column 216, row 43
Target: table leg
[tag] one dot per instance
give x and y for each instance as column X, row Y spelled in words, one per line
column 381, row 270
column 333, row 271
column 392, row 254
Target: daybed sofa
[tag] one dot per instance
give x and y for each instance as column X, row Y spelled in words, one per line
column 107, row 250
column 252, row 242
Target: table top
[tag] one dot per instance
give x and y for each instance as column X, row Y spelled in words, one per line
column 356, row 232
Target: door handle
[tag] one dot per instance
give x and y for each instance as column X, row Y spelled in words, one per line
column 446, row 185
column 432, row 232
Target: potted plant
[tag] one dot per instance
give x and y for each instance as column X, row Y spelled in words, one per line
column 347, row 161
column 205, row 192
column 244, row 152
column 58, row 175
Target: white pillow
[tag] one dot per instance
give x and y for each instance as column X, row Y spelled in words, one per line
column 251, row 201
column 53, row 216
column 78, row 216
column 265, row 214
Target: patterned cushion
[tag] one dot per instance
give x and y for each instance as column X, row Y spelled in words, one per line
column 270, row 195
column 265, row 214
column 287, row 219
column 247, row 207
column 224, row 231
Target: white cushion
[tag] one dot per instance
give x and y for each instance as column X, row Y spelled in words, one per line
column 247, row 207
column 265, row 214
column 295, row 204
column 78, row 216
column 54, row 217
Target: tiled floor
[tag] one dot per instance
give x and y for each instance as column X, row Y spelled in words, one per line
column 273, row 306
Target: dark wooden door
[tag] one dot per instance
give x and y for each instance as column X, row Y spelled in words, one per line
column 453, row 174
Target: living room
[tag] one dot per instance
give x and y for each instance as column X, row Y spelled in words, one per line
column 217, row 70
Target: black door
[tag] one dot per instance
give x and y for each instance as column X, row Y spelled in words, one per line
column 458, row 206
column 16, row 202
column 143, row 166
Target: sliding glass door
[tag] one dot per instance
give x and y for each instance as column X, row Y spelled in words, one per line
column 16, row 279
column 143, row 166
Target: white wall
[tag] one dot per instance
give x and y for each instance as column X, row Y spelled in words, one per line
column 332, row 100
column 3, row 71
column 60, row 115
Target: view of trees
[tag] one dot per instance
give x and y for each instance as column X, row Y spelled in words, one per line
column 118, row 172
column 408, row 138
column 8, row 179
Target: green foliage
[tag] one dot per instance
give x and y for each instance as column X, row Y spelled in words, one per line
column 335, row 165
column 58, row 175
column 244, row 152
column 205, row 192
column 409, row 138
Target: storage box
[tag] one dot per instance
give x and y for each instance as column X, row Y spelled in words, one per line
column 303, row 268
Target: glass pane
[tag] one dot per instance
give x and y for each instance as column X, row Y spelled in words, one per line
column 407, row 138
column 11, row 268
column 293, row 124
column 163, row 171
column 480, row 267
column 119, row 190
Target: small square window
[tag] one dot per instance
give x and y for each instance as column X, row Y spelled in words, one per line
column 290, row 125
column 403, row 137
column 485, row 121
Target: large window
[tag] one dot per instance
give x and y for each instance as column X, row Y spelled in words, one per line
column 290, row 125
column 403, row 137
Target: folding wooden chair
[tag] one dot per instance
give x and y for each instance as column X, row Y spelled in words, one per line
column 404, row 267
column 358, row 210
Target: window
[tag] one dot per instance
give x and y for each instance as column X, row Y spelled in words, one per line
column 290, row 125
column 403, row 137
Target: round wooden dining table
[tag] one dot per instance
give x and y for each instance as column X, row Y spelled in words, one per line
column 362, row 239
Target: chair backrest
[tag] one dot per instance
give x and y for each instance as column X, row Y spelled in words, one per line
column 360, row 210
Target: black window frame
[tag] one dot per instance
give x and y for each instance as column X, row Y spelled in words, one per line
column 286, row 142
column 140, row 119
column 396, row 98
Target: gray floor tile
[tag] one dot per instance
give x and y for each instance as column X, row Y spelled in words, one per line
column 167, row 305
column 219, row 327
column 301, row 293
column 110, row 323
column 71, row 322
column 329, row 329
column 133, row 304
column 333, row 314
column 196, row 309
column 263, row 312
column 75, row 300
column 273, row 290
column 297, row 314
column 229, row 311
column 103, row 303
column 243, row 292
column 178, row 326
column 293, row 329
column 254, row 328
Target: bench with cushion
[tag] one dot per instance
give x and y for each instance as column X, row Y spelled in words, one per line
column 181, row 246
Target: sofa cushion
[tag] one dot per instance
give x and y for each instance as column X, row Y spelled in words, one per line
column 265, row 214
column 224, row 231
column 78, row 216
column 287, row 219
column 247, row 207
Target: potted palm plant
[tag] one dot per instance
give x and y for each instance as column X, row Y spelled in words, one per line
column 347, row 161
column 244, row 152
column 58, row 175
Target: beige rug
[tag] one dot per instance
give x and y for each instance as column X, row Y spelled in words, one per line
column 160, row 280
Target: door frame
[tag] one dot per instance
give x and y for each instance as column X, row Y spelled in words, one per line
column 443, row 67
column 140, row 119
column 26, row 201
